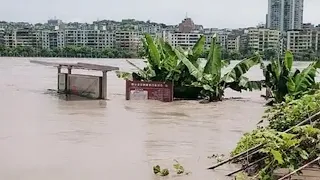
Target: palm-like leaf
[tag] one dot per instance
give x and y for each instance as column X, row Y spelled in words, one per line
column 302, row 81
column 214, row 64
column 241, row 68
column 288, row 60
column 197, row 49
column 244, row 84
column 193, row 70
column 154, row 54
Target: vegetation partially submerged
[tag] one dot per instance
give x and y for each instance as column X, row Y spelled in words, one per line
column 282, row 81
column 282, row 148
column 192, row 75
column 178, row 168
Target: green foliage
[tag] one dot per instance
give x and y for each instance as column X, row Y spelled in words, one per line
column 242, row 176
column 291, row 112
column 158, row 171
column 178, row 167
column 285, row 150
column 213, row 82
column 282, row 81
column 189, row 69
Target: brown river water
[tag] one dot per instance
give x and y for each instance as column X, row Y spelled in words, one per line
column 44, row 137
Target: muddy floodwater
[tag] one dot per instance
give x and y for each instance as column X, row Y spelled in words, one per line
column 43, row 137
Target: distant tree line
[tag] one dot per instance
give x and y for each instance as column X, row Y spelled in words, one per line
column 87, row 52
column 68, row 51
column 268, row 54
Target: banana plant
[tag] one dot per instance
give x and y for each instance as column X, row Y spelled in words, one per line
column 161, row 62
column 282, row 81
column 211, row 79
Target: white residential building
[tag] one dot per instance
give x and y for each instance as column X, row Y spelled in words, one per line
column 45, row 42
column 92, row 38
column 128, row 40
column 221, row 39
column 233, row 43
column 260, row 39
column 299, row 41
column 22, row 37
column 184, row 40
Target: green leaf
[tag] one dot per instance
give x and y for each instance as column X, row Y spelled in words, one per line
column 214, row 63
column 288, row 60
column 212, row 46
column 291, row 85
column 178, row 168
column 305, row 79
column 198, row 48
column 244, row 84
column 208, row 88
column 156, row 169
column 194, row 71
column 304, row 155
column 124, row 75
column 225, row 63
column 277, row 156
column 164, row 172
column 241, row 68
column 154, row 54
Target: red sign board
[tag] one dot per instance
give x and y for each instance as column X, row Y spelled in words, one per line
column 161, row 91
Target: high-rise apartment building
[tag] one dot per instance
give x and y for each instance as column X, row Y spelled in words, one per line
column 284, row 15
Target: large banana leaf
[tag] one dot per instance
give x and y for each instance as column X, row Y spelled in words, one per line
column 244, row 84
column 154, row 55
column 241, row 68
column 302, row 81
column 197, row 49
column 212, row 46
column 288, row 60
column 193, row 70
column 225, row 63
column 214, row 64
column 170, row 59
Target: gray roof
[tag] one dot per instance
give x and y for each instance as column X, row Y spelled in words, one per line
column 87, row 66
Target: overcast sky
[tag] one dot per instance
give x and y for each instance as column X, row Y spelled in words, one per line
column 210, row 13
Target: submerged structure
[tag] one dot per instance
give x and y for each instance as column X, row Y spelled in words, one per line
column 90, row 86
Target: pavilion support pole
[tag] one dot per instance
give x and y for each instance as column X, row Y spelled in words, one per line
column 104, row 85
column 68, row 91
column 59, row 71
